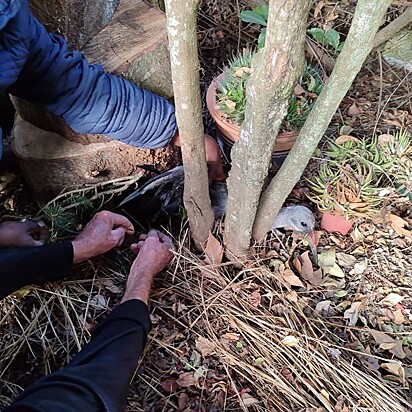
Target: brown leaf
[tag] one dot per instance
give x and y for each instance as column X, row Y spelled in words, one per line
column 353, row 110
column 290, row 278
column 170, row 385
column 346, row 138
column 255, row 298
column 186, row 379
column 298, row 90
column 314, row 277
column 318, row 8
column 230, row 104
column 397, row 224
column 240, row 71
column 213, row 251
column 205, row 346
column 353, row 312
column 398, row 317
column 388, row 343
column 231, row 336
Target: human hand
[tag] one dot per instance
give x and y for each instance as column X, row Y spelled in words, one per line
column 214, row 160
column 105, row 231
column 23, row 234
column 213, row 157
column 154, row 252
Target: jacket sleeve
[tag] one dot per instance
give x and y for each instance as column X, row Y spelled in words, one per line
column 89, row 99
column 34, row 265
column 98, row 377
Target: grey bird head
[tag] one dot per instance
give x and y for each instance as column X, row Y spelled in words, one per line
column 298, row 218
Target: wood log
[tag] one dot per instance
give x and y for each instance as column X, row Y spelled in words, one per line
column 76, row 20
column 134, row 45
column 51, row 163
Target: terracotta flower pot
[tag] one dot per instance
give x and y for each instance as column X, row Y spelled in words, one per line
column 335, row 223
column 230, row 130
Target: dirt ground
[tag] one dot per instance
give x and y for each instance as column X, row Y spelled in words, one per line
column 232, row 340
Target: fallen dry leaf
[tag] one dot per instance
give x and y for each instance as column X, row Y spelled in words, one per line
column 186, row 379
column 353, row 312
column 392, row 299
column 249, row 400
column 255, row 298
column 322, row 307
column 388, row 343
column 326, row 259
column 346, row 138
column 353, row 110
column 290, row 340
column 290, row 278
column 170, row 385
column 314, row 277
column 298, row 90
column 398, row 317
column 336, row 271
column 394, row 367
column 240, row 71
column 213, row 251
column 205, row 346
column 230, row 104
column 397, row 224
column 231, row 336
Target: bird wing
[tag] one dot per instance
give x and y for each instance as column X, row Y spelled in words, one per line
column 155, row 183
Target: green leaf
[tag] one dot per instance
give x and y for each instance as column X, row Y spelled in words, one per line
column 258, row 361
column 332, row 38
column 340, row 293
column 249, row 16
column 318, row 35
column 263, row 10
column 262, row 38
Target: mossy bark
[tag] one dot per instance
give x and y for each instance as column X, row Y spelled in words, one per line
column 360, row 41
column 275, row 71
column 181, row 26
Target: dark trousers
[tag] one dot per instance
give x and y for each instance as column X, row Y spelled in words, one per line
column 97, row 379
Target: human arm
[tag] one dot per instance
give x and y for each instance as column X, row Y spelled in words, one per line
column 21, row 266
column 90, row 100
column 97, row 379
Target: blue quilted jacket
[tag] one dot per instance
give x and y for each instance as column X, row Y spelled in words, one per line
column 38, row 67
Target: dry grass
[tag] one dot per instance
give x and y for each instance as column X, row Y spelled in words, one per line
column 250, row 363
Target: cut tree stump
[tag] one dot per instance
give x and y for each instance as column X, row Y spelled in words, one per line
column 51, row 163
column 76, row 20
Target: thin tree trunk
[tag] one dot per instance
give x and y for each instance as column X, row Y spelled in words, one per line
column 275, row 71
column 366, row 21
column 392, row 28
column 181, row 26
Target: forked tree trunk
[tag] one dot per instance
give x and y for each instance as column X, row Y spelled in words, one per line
column 360, row 41
column 275, row 71
column 182, row 31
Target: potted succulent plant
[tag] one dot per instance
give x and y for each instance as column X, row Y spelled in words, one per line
column 226, row 102
column 226, row 95
column 348, row 183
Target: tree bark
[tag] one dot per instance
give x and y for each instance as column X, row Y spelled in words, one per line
column 366, row 21
column 76, row 20
column 181, row 26
column 392, row 28
column 275, row 71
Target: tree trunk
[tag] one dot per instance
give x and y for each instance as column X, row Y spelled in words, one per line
column 366, row 21
column 394, row 27
column 76, row 20
column 275, row 71
column 181, row 25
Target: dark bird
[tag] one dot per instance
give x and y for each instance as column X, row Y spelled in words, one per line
column 164, row 192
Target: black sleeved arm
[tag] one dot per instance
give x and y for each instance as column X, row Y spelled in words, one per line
column 98, row 377
column 34, row 265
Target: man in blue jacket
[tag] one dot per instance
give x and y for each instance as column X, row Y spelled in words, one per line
column 37, row 66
